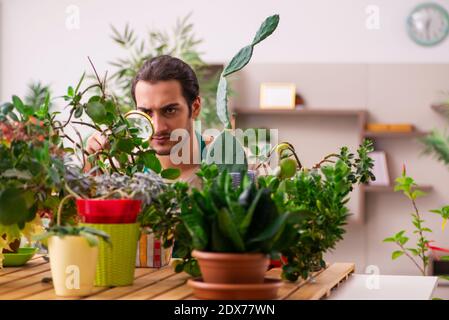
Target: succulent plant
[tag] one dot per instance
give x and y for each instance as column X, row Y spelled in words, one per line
column 144, row 186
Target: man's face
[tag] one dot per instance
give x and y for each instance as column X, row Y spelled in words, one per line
column 164, row 103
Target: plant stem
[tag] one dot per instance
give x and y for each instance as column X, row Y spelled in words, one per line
column 97, row 76
column 61, row 204
column 411, row 258
column 421, row 237
column 325, row 159
column 88, row 125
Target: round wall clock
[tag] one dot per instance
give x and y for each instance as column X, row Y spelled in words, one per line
column 428, row 24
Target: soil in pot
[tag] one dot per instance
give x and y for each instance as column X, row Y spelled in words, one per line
column 232, row 267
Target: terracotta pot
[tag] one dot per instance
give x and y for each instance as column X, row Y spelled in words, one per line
column 13, row 245
column 232, row 267
column 267, row 290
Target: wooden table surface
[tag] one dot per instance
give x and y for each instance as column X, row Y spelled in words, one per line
column 25, row 283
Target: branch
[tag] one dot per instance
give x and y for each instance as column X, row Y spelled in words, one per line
column 97, row 76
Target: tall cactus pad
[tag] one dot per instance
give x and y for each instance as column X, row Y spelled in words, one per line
column 217, row 151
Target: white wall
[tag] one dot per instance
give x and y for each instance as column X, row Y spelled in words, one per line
column 37, row 45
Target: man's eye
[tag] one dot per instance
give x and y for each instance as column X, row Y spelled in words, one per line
column 170, row 110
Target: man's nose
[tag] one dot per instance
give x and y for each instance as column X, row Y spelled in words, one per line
column 159, row 123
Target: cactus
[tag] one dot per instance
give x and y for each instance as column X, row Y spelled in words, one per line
column 239, row 61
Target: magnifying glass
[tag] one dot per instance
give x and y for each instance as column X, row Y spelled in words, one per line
column 141, row 121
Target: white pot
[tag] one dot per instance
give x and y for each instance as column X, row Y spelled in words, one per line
column 73, row 264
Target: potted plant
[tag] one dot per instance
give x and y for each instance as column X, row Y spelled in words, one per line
column 31, row 165
column 112, row 203
column 320, row 194
column 73, row 252
column 128, row 154
column 225, row 234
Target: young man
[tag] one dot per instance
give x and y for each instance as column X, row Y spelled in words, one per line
column 166, row 89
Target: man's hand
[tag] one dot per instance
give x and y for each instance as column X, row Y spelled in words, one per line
column 96, row 142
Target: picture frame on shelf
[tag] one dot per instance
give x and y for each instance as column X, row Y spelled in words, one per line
column 277, row 95
column 380, row 169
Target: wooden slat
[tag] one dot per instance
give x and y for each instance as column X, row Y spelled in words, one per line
column 30, row 264
column 49, row 293
column 16, row 290
column 157, row 288
column 25, row 272
column 178, row 293
column 288, row 287
column 159, row 284
column 324, row 282
column 139, row 283
column 285, row 290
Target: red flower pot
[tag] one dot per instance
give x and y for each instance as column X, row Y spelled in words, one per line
column 108, row 211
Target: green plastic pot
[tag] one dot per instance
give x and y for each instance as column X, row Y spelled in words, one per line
column 116, row 262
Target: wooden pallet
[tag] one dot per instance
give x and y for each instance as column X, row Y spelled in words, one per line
column 25, row 283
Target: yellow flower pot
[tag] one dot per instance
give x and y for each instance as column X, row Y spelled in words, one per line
column 73, row 263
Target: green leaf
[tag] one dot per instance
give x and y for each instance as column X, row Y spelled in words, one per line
column 124, row 145
column 249, row 215
column 13, row 207
column 396, row 254
column 266, row 29
column 444, row 258
column 227, row 153
column 18, row 104
column 240, row 60
column 170, row 173
column 80, row 82
column 271, row 230
column 222, row 103
column 151, row 161
column 194, row 223
column 91, row 239
column 96, row 111
column 70, row 91
column 25, row 110
column 78, row 111
column 18, row 174
column 229, row 229
column 390, row 239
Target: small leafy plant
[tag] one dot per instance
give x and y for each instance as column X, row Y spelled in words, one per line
column 90, row 234
column 144, row 186
column 31, row 166
column 320, row 195
column 418, row 255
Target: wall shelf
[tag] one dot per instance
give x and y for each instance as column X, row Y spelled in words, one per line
column 302, row 112
column 383, row 134
column 362, row 117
